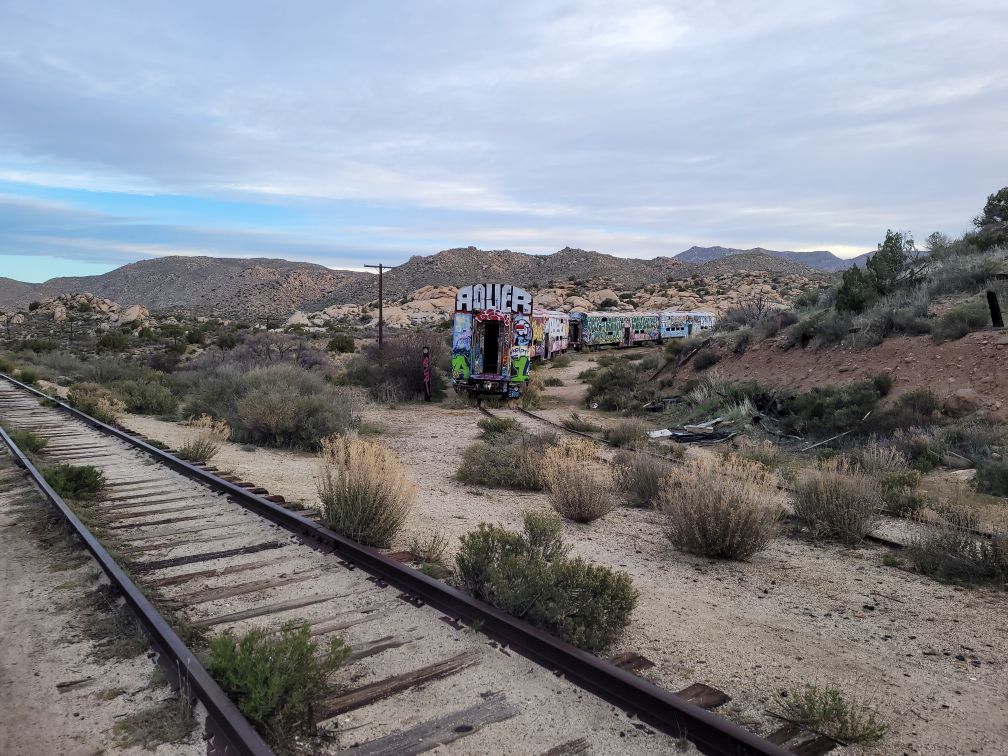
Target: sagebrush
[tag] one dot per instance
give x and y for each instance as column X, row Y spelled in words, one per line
column 579, row 485
column 365, row 492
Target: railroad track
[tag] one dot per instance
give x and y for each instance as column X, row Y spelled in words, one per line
column 227, row 557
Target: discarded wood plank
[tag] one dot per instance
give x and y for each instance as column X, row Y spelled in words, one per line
column 631, row 661
column 831, row 438
column 570, row 748
column 368, row 694
column 253, row 586
column 149, row 503
column 66, row 687
column 441, row 731
column 186, row 577
column 704, row 696
column 364, row 650
column 149, row 512
column 705, row 429
column 161, row 564
column 169, row 521
column 327, row 626
column 261, row 611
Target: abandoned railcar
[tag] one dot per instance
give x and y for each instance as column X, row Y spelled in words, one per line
column 491, row 340
column 620, row 329
column 678, row 324
column 550, row 333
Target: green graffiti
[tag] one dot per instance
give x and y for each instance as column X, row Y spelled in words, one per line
column 460, row 367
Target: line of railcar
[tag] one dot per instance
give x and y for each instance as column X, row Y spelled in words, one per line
column 497, row 332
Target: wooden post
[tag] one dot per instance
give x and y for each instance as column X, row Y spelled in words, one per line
column 995, row 309
column 426, row 374
column 381, row 311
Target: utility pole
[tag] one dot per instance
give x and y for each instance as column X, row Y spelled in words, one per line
column 381, row 312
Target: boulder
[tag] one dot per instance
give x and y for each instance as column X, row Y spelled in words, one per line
column 133, row 314
column 298, row 319
column 962, row 402
column 59, row 313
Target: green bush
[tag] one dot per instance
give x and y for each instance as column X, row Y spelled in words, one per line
column 146, row 397
column 396, row 374
column 552, row 381
column 826, row 711
column 528, row 575
column 27, row 441
column 960, row 321
column 276, row 678
column 491, row 427
column 282, row 406
column 28, row 375
column 826, row 410
column 510, row 460
column 838, row 502
column 915, row 408
column 560, row 361
column 341, row 343
column 34, row 305
column 706, row 358
column 992, row 477
column 75, row 481
column 113, row 341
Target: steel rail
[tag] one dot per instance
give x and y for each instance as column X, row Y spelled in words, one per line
column 656, row 706
column 231, row 731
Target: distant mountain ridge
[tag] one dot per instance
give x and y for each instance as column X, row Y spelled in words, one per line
column 819, row 260
column 260, row 287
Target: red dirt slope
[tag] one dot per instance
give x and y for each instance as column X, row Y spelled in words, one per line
column 978, row 361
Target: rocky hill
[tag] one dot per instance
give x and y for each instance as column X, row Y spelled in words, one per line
column 252, row 287
column 256, row 288
column 819, row 260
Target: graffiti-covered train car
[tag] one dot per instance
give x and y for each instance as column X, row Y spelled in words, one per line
column 676, row 324
column 550, row 333
column 491, row 339
column 598, row 329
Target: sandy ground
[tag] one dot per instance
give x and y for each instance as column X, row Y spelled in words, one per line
column 39, row 611
column 930, row 657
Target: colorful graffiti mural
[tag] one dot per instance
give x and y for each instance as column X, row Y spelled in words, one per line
column 462, row 346
column 492, row 339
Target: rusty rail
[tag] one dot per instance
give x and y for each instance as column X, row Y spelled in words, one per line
column 231, row 732
column 652, row 704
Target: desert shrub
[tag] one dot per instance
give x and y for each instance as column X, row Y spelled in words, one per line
column 830, row 409
column 827, row 711
column 113, row 341
column 276, row 678
column 204, row 435
column 511, row 460
column 765, row 452
column 992, row 477
column 948, row 549
column 976, row 440
column 6, row 366
column 961, row 320
column 922, row 449
column 560, row 361
column 740, row 340
column 552, row 381
column 97, row 401
column 726, row 509
column 283, row 405
column 396, row 374
column 531, row 393
column 75, row 481
column 577, row 488
column 490, row 427
column 639, row 477
column 706, row 358
column 883, row 383
column 146, row 397
column 630, row 433
column 576, row 422
column 365, row 492
column 27, row 441
column 34, row 305
column 839, row 501
column 528, row 575
column 914, row 409
column 341, row 343
column 28, row 375
column 430, row 549
column 892, row 472
column 959, row 274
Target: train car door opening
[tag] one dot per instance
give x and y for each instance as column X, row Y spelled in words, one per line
column 491, row 346
column 627, row 335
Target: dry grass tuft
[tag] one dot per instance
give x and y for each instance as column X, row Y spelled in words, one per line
column 727, row 508
column 827, row 711
column 205, row 436
column 96, row 401
column 630, row 433
column 364, row 490
column 576, row 422
column 838, row 500
column 949, row 549
column 640, row 477
column 579, row 487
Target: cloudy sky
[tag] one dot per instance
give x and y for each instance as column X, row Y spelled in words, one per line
column 348, row 133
